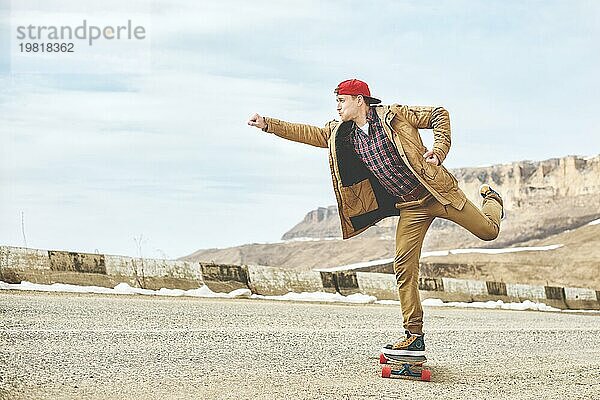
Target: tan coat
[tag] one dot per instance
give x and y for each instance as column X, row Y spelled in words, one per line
column 362, row 201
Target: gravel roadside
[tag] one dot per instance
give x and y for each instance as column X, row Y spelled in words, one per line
column 81, row 346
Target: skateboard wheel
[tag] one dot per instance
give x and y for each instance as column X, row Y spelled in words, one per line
column 386, row 371
column 426, row 375
column 382, row 359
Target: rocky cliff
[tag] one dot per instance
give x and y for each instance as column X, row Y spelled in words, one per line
column 541, row 198
column 322, row 223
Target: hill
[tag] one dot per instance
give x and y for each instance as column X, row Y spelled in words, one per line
column 546, row 202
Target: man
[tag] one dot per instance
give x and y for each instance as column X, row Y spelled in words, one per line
column 381, row 168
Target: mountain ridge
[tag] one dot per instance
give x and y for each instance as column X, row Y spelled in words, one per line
column 542, row 199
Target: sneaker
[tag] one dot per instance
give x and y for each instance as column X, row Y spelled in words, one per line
column 412, row 347
column 486, row 191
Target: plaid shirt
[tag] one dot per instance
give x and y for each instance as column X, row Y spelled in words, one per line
column 382, row 159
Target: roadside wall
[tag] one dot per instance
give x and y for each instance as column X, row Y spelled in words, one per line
column 52, row 266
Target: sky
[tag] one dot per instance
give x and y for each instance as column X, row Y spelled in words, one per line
column 130, row 147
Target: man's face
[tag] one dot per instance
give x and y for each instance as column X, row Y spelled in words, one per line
column 348, row 106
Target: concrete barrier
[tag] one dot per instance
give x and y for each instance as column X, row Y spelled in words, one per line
column 581, row 298
column 343, row 282
column 224, row 278
column 431, row 284
column 50, row 266
column 129, row 266
column 554, row 293
column 154, row 274
column 347, row 282
column 434, row 288
column 522, row 292
column 53, row 266
column 43, row 266
column 555, row 296
column 278, row 281
column 23, row 259
column 464, row 289
column 77, row 262
column 329, row 281
column 496, row 288
column 21, row 264
column 120, row 265
column 382, row 286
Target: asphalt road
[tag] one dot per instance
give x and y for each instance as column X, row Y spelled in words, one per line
column 67, row 346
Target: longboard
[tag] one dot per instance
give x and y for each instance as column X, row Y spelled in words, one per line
column 401, row 367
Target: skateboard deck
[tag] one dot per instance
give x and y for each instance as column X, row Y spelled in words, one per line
column 408, row 368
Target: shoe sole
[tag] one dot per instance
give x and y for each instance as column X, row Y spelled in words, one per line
column 405, row 353
column 402, row 360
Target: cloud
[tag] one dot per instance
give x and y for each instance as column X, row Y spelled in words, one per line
column 167, row 152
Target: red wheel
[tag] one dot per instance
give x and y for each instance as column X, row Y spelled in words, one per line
column 382, row 359
column 426, row 375
column 386, row 371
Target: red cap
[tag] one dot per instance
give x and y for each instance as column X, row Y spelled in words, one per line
column 355, row 87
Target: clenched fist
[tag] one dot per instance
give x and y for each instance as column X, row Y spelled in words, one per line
column 257, row 121
column 431, row 158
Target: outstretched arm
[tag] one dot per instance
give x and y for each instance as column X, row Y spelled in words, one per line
column 302, row 133
column 436, row 118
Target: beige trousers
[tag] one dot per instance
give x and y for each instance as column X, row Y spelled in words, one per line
column 415, row 219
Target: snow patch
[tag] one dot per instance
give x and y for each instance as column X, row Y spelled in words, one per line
column 357, row 298
column 356, row 265
column 440, row 253
column 305, row 239
column 124, row 288
column 595, row 222
column 498, row 304
column 205, row 292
